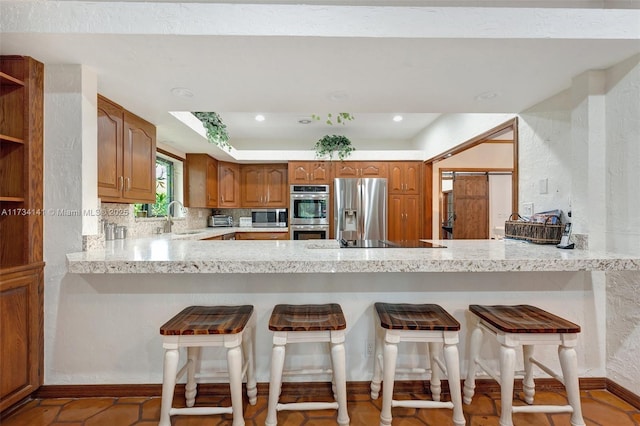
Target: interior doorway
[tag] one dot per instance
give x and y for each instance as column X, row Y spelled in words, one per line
column 482, row 207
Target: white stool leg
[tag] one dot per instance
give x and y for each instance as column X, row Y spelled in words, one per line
column 377, row 358
column 507, row 373
column 389, row 371
column 234, row 365
column 528, row 384
column 435, row 383
column 248, row 340
column 474, row 352
column 275, row 383
column 338, row 359
column 171, row 357
column 191, row 388
column 569, row 365
column 452, row 361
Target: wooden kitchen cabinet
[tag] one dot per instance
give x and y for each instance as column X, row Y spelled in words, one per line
column 228, row 184
column 361, row 169
column 405, row 177
column 200, row 181
column 404, row 217
column 126, row 155
column 21, row 265
column 262, row 235
column 313, row 172
column 263, row 185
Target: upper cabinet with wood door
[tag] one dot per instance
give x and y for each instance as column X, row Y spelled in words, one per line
column 200, row 181
column 361, row 169
column 126, row 155
column 405, row 177
column 263, row 185
column 21, row 265
column 228, row 184
column 301, row 172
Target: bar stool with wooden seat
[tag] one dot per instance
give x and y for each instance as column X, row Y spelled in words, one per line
column 526, row 326
column 426, row 323
column 308, row 324
column 231, row 327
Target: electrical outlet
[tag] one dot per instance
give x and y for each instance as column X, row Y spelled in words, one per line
column 200, row 214
column 369, row 348
column 527, row 209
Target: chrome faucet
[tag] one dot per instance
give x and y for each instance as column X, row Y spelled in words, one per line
column 169, row 222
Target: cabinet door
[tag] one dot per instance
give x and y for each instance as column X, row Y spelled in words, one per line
column 262, row 236
column 229, row 184
column 20, row 334
column 139, row 159
column 347, row 169
column 320, row 172
column 276, row 190
column 299, row 172
column 396, row 178
column 212, row 182
column 374, row 169
column 412, row 178
column 110, row 177
column 395, row 225
column 412, row 217
column 251, row 186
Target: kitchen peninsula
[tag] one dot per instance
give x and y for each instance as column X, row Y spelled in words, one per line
column 134, row 285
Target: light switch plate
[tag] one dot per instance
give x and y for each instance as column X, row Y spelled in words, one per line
column 527, row 209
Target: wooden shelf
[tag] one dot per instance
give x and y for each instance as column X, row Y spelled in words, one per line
column 12, row 199
column 7, row 79
column 6, row 138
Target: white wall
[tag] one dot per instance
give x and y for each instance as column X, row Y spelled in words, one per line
column 623, row 224
column 585, row 140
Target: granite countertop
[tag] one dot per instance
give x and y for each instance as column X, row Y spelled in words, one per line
column 187, row 254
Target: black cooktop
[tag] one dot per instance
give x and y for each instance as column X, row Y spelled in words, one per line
column 388, row 244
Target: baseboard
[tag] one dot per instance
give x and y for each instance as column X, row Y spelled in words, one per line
column 320, row 388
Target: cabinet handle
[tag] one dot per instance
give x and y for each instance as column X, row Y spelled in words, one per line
column 127, row 180
column 120, row 183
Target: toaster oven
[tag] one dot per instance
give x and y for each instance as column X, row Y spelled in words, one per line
column 220, row 220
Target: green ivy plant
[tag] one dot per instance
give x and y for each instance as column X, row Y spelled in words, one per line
column 341, row 118
column 329, row 144
column 216, row 129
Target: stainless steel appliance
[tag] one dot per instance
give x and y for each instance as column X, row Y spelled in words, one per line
column 360, row 209
column 269, row 218
column 309, row 212
column 220, row 220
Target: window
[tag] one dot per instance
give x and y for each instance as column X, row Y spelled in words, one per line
column 168, row 188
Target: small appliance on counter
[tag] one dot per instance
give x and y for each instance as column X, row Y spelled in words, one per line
column 220, row 220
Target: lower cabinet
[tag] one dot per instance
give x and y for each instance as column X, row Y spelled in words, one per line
column 262, row 235
column 21, row 332
column 404, row 217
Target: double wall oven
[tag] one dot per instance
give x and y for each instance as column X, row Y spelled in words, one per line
column 309, row 212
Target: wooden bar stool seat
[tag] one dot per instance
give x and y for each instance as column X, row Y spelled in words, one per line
column 526, row 326
column 231, row 327
column 426, row 323
column 308, row 324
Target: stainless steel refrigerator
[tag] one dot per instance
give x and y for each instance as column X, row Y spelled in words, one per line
column 360, row 209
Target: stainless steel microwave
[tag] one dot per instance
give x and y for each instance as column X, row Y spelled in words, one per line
column 269, row 218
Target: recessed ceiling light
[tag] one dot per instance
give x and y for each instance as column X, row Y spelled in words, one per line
column 397, row 118
column 259, row 117
column 182, row 92
column 486, row 96
column 304, row 121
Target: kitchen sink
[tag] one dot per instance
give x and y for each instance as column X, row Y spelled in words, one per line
column 195, row 231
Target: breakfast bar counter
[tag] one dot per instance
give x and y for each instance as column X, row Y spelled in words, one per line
column 187, row 254
column 137, row 284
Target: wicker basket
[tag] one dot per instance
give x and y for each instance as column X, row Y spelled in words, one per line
column 535, row 232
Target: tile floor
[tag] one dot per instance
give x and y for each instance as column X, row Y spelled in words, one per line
column 600, row 408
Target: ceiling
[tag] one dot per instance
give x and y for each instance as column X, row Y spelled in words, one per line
column 376, row 64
